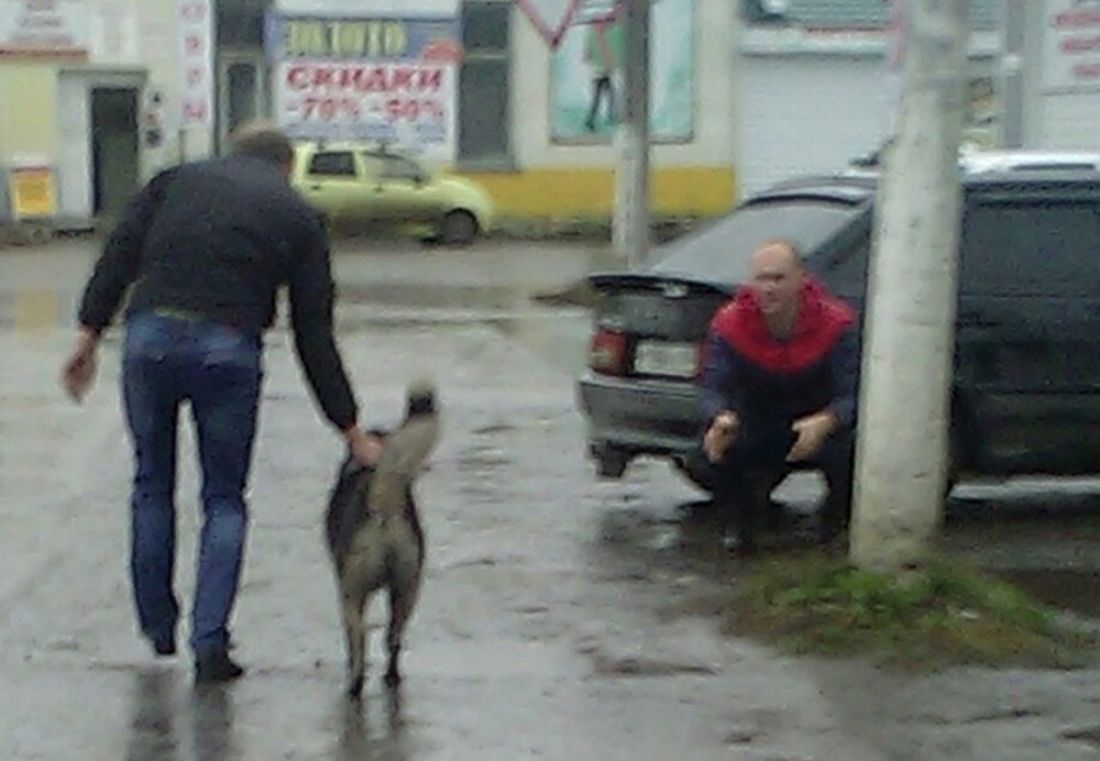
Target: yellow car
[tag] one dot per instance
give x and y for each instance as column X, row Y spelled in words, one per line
column 357, row 186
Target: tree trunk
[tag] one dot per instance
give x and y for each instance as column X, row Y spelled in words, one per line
column 631, row 222
column 909, row 339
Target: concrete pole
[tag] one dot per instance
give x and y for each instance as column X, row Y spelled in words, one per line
column 630, row 228
column 909, row 339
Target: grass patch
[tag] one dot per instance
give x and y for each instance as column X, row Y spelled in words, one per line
column 947, row 615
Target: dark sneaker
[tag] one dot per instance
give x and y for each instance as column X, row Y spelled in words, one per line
column 216, row 666
column 739, row 546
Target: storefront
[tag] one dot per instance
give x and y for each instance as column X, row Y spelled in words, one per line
column 473, row 87
column 91, row 86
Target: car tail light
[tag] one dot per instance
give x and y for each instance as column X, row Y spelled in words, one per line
column 608, row 352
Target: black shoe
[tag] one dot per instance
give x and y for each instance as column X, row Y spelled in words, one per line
column 164, row 647
column 831, row 535
column 739, row 546
column 216, row 666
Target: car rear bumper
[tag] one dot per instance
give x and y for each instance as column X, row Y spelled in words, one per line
column 639, row 416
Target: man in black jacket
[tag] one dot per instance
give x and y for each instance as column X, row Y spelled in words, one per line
column 206, row 246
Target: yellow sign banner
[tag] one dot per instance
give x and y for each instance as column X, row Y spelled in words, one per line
column 33, row 192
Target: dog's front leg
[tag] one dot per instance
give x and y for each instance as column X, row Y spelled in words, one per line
column 355, row 629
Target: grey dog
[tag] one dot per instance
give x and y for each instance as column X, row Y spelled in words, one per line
column 374, row 536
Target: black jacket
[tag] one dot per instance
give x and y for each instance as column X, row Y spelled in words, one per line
column 218, row 238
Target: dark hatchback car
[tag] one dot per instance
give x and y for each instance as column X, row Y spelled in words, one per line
column 1027, row 364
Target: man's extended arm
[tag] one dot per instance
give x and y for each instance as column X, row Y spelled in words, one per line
column 719, row 378
column 311, row 299
column 311, row 303
column 117, row 267
column 120, row 263
column 844, row 368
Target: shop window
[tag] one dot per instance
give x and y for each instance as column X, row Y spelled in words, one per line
column 484, row 83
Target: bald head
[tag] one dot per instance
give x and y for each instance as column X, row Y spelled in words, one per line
column 264, row 140
column 777, row 277
column 778, row 253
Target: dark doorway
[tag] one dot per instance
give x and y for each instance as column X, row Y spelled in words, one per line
column 115, row 170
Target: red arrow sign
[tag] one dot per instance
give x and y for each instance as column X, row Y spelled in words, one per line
column 551, row 29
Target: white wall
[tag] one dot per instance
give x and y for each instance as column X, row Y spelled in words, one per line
column 159, row 52
column 811, row 103
column 713, row 119
column 1060, row 121
column 808, row 113
column 1071, row 122
column 74, row 164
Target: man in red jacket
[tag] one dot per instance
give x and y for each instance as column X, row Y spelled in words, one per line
column 779, row 389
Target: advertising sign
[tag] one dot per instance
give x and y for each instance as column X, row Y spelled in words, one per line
column 44, row 27
column 587, row 79
column 381, row 80
column 196, row 63
column 1071, row 50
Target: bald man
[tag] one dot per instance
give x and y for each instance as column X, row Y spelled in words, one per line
column 779, row 389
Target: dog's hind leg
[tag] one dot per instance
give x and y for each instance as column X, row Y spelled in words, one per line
column 403, row 595
column 355, row 628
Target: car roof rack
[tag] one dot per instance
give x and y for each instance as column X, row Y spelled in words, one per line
column 1025, row 160
column 979, row 162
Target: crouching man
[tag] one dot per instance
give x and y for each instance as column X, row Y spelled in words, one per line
column 779, row 389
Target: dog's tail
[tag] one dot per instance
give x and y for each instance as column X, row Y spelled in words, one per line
column 406, row 450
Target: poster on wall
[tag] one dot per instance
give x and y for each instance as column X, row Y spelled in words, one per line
column 196, row 30
column 54, row 28
column 586, row 78
column 1071, row 56
column 381, row 81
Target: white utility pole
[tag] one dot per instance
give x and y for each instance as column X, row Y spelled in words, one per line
column 908, row 349
column 630, row 228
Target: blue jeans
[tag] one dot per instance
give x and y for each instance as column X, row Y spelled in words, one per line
column 168, row 360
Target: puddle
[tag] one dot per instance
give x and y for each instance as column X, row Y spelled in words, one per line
column 1069, row 589
column 433, row 296
column 633, row 666
column 36, row 309
column 1090, row 736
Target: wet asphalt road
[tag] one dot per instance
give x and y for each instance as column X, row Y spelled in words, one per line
column 544, row 628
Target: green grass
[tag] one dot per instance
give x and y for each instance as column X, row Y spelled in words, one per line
column 946, row 615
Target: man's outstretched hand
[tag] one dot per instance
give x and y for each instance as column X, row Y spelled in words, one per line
column 812, row 432
column 365, row 447
column 720, row 436
column 78, row 373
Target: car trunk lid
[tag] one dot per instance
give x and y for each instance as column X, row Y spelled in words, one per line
column 651, row 325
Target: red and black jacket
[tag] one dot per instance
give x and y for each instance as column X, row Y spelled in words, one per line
column 759, row 377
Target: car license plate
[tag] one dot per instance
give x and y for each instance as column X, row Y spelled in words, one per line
column 666, row 358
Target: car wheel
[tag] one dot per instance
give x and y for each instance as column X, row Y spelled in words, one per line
column 459, row 228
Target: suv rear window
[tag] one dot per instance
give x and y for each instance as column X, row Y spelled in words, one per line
column 721, row 253
column 1035, row 248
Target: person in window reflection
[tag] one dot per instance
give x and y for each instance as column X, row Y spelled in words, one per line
column 604, row 54
column 779, row 389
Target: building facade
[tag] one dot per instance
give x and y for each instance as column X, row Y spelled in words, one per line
column 816, row 89
column 91, row 92
column 474, row 88
column 1051, row 74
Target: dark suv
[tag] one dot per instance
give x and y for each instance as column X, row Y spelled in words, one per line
column 1027, row 361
